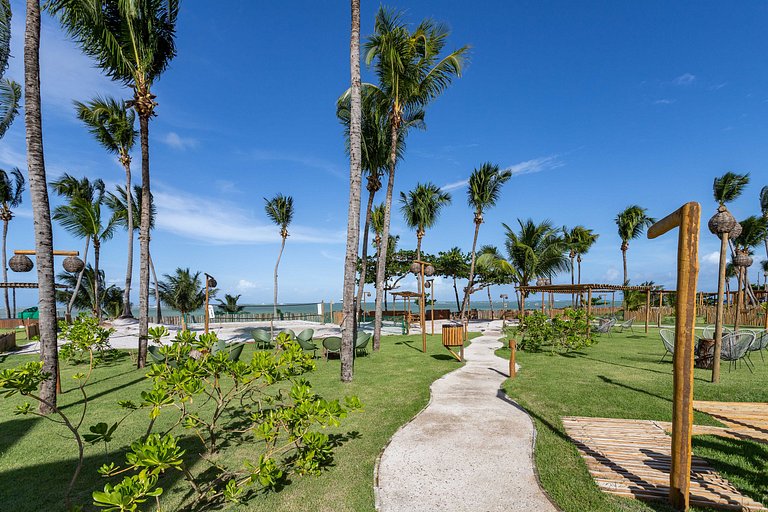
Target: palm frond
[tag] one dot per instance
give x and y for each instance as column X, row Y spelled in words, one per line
column 632, row 221
column 279, row 209
column 484, row 186
column 421, row 207
column 5, row 34
column 110, row 122
column 729, row 186
column 10, row 98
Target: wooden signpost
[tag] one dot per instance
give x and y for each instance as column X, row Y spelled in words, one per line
column 687, row 218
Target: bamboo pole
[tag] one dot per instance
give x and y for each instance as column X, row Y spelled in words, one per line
column 512, row 356
column 647, row 309
column 589, row 309
column 688, row 219
column 28, row 252
column 661, row 305
column 719, row 309
column 613, row 304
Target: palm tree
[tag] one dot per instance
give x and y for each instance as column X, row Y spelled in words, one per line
column 10, row 91
column 753, row 231
column 454, row 264
column 133, row 43
column 411, row 74
column 483, row 191
column 280, row 211
column 764, row 210
column 578, row 241
column 11, row 187
column 631, row 222
column 489, row 274
column 421, row 207
column 81, row 216
column 85, row 299
column 183, row 291
column 229, row 305
column 112, row 125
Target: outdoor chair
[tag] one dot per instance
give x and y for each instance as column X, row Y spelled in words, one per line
column 306, row 335
column 332, row 345
column 361, row 345
column 235, row 351
column 668, row 339
column 219, row 346
column 307, row 346
column 708, row 332
column 261, row 338
column 605, row 327
column 760, row 343
column 154, row 352
column 626, row 325
column 736, row 347
column 290, row 333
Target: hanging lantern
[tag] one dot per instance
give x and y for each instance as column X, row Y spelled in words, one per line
column 212, row 283
column 429, row 271
column 20, row 263
column 742, row 259
column 415, row 267
column 722, row 222
column 73, row 264
column 428, row 284
column 735, row 232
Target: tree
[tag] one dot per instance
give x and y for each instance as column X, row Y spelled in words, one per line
column 11, row 189
column 631, row 223
column 483, row 191
column 753, row 232
column 84, row 298
column 421, row 207
column 184, row 292
column 133, row 43
column 112, row 125
column 488, row 274
column 229, row 305
column 41, row 210
column 280, row 211
column 764, row 210
column 453, row 264
column 411, row 74
column 578, row 241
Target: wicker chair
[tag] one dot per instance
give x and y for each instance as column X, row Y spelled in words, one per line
column 331, row 345
column 307, row 346
column 605, row 327
column 261, row 338
column 626, row 325
column 735, row 348
column 361, row 345
column 668, row 339
column 306, row 335
column 235, row 351
column 761, row 343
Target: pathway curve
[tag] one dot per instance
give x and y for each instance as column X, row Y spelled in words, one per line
column 471, row 449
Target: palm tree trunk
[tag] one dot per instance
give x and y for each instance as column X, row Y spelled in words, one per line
column 5, row 269
column 274, row 304
column 96, row 300
column 624, row 260
column 573, row 270
column 41, row 209
column 349, row 307
column 456, row 291
column 471, row 275
column 739, row 296
column 144, row 241
column 127, row 313
column 159, row 317
column 578, row 262
column 364, row 256
column 79, row 281
column 418, row 246
column 490, row 301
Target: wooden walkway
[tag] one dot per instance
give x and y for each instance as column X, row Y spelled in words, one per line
column 631, row 458
column 742, row 420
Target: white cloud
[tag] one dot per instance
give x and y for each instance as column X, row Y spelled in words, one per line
column 712, row 258
column 244, row 285
column 664, row 101
column 684, row 79
column 453, row 186
column 176, row 141
column 307, row 161
column 544, row 163
column 611, row 274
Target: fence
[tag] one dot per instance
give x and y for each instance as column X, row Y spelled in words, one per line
column 247, row 317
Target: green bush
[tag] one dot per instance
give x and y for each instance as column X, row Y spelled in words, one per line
column 563, row 333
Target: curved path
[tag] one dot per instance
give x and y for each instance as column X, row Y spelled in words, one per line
column 469, row 450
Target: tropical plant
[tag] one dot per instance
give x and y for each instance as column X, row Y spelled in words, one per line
column 729, row 186
column 81, row 216
column 764, row 210
column 453, row 264
column 112, row 125
column 631, row 223
column 11, row 189
column 10, row 91
column 483, row 191
column 280, row 211
column 84, row 299
column 411, row 73
column 578, row 241
column 133, row 43
column 421, row 207
column 488, row 274
column 183, row 291
column 229, row 305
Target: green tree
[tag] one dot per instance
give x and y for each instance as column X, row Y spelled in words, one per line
column 488, row 274
column 112, row 125
column 764, row 210
column 183, row 291
column 754, row 229
column 229, row 305
column 411, row 72
column 85, row 299
column 421, row 207
column 578, row 241
column 132, row 42
column 11, row 189
column 453, row 264
column 483, row 191
column 631, row 223
column 280, row 211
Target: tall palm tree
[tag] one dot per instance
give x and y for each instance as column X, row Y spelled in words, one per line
column 421, row 207
column 229, row 305
column 280, row 211
column 183, row 291
column 81, row 216
column 412, row 73
column 764, row 210
column 112, row 125
column 85, row 299
column 578, row 241
column 11, row 189
column 133, row 42
column 631, row 223
column 483, row 191
column 41, row 210
column 10, row 91
column 753, row 232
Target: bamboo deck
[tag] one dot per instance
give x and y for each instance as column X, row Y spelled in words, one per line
column 742, row 420
column 632, row 458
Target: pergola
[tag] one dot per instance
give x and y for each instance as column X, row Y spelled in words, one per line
column 406, row 296
column 589, row 289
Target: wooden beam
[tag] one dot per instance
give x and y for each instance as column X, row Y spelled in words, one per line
column 28, row 252
column 589, row 309
column 647, row 309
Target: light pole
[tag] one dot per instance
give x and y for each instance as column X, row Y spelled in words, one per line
column 504, row 298
column 365, row 313
column 422, row 268
column 210, row 282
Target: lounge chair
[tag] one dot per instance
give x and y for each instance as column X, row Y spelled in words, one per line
column 332, row 345
column 736, row 347
column 307, row 346
column 668, row 339
column 261, row 338
column 361, row 345
column 626, row 325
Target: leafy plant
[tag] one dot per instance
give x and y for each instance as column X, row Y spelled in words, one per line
column 563, row 333
column 86, row 339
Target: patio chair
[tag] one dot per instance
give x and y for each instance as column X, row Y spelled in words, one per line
column 332, row 345
column 668, row 339
column 605, row 327
column 261, row 338
column 361, row 345
column 219, row 346
column 626, row 325
column 235, row 351
column 760, row 343
column 307, row 346
column 290, row 333
column 735, row 348
column 306, row 335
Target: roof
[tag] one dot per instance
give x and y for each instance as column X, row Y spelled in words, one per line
column 577, row 288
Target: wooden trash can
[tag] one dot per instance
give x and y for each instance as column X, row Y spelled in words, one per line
column 453, row 336
column 705, row 354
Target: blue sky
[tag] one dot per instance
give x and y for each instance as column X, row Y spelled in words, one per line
column 595, row 105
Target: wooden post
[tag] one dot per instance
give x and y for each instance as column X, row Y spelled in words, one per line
column 422, row 312
column 688, row 219
column 719, row 309
column 613, row 304
column 589, row 309
column 551, row 313
column 542, row 301
column 647, row 309
column 522, row 307
column 661, row 304
column 512, row 357
column 206, row 304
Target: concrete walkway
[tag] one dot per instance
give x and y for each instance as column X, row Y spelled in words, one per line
column 469, row 450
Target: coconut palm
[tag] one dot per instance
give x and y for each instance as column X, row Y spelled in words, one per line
column 133, row 43
column 10, row 91
column 753, row 232
column 578, row 241
column 112, row 125
column 489, row 274
column 280, row 211
column 229, row 305
column 11, row 189
column 81, row 217
column 631, row 223
column 411, row 73
column 764, row 210
column 85, row 298
column 483, row 191
column 183, row 291
column 421, row 207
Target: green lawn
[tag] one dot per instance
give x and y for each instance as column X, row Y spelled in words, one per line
column 621, row 377
column 36, row 457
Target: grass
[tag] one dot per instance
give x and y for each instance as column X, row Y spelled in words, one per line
column 621, row 377
column 393, row 385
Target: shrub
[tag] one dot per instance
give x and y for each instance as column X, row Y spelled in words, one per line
column 563, row 333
